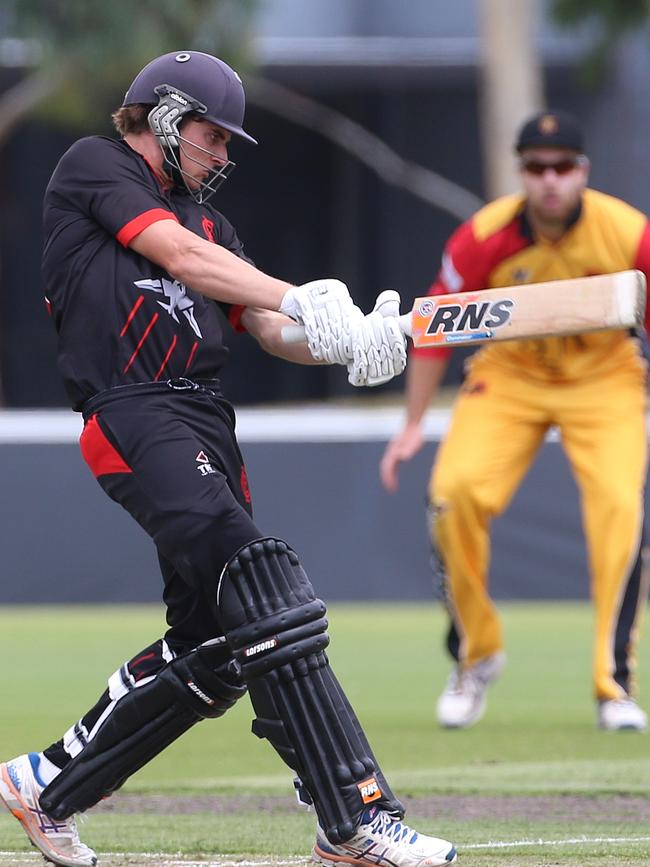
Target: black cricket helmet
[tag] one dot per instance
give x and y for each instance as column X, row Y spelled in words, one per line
column 190, row 83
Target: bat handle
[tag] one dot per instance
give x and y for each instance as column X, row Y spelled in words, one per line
column 296, row 333
column 405, row 323
column 293, row 334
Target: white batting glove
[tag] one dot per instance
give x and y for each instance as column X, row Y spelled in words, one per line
column 329, row 316
column 378, row 344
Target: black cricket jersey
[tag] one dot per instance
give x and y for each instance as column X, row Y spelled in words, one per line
column 120, row 318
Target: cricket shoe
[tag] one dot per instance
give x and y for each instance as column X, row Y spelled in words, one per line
column 383, row 840
column 621, row 714
column 463, row 700
column 58, row 841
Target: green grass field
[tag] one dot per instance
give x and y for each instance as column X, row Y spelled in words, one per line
column 533, row 774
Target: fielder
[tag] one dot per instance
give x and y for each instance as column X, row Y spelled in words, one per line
column 140, row 271
column 591, row 387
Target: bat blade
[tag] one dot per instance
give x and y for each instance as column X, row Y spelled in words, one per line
column 555, row 308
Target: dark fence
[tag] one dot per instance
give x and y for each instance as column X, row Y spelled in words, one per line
column 63, row 540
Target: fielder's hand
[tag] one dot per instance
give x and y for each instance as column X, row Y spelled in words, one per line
column 401, row 448
column 328, row 314
column 378, row 344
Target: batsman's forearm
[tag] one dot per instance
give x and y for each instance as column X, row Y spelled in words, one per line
column 208, row 268
column 225, row 277
column 423, row 377
column 266, row 327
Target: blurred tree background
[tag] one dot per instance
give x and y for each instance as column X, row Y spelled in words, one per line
column 83, row 51
column 612, row 20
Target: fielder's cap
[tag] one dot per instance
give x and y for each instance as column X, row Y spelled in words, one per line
column 551, row 129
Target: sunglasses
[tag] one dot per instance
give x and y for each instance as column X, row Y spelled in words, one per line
column 561, row 167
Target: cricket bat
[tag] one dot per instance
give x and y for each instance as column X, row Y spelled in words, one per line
column 554, row 308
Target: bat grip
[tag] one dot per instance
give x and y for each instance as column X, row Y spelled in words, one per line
column 405, row 324
column 296, row 333
column 293, row 333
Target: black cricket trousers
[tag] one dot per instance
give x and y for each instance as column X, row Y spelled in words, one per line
column 168, row 454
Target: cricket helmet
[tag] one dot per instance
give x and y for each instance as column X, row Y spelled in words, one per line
column 194, row 84
column 214, row 88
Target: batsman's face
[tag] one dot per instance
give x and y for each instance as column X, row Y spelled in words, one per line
column 204, row 148
column 553, row 180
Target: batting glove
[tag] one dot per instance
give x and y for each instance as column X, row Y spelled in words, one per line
column 328, row 314
column 378, row 344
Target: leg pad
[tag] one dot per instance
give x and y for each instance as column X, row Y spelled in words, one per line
column 276, row 629
column 140, row 723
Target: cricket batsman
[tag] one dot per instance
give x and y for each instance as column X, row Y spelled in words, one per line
column 591, row 387
column 142, row 275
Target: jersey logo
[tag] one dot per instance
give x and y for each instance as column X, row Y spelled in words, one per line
column 243, row 482
column 203, row 464
column 176, row 299
column 208, row 228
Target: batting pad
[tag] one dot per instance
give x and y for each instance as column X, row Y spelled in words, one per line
column 276, row 629
column 143, row 722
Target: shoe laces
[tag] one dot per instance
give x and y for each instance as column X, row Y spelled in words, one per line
column 74, row 833
column 67, row 828
column 464, row 681
column 391, row 827
column 454, row 681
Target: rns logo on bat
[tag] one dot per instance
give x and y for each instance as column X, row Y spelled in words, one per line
column 467, row 316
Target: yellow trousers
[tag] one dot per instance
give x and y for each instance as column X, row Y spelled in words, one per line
column 499, row 423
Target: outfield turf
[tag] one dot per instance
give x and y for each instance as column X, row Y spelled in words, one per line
column 535, row 772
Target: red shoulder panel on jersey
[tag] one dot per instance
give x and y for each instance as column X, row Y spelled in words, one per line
column 468, row 261
column 101, row 456
column 138, row 224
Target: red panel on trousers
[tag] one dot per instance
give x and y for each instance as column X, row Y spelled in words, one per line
column 102, row 457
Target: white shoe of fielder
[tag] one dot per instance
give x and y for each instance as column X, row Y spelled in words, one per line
column 384, row 841
column 58, row 841
column 621, row 714
column 463, row 700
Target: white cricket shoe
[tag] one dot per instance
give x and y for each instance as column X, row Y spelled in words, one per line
column 384, row 841
column 463, row 700
column 621, row 714
column 58, row 841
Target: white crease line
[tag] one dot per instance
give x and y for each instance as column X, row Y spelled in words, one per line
column 28, row 858
column 502, row 844
column 169, row 861
column 230, row 863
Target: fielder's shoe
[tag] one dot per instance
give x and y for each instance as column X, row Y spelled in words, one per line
column 621, row 714
column 384, row 841
column 464, row 698
column 58, row 841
